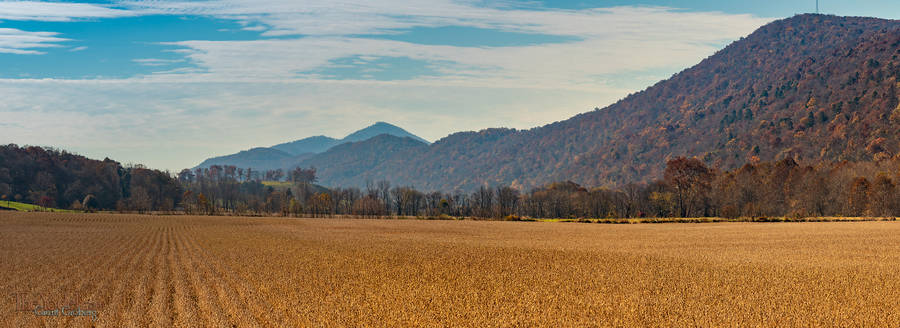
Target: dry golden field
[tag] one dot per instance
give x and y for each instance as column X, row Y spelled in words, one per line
column 183, row 271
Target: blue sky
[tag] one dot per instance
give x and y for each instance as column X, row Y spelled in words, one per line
column 169, row 83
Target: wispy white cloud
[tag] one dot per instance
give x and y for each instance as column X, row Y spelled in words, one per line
column 15, row 41
column 79, row 48
column 156, row 61
column 353, row 17
column 256, row 28
column 57, row 11
column 610, row 41
column 309, row 17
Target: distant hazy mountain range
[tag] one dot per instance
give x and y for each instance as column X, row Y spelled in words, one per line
column 296, row 153
column 320, row 144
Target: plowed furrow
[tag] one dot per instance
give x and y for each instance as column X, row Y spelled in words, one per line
column 142, row 273
column 160, row 314
column 79, row 281
column 240, row 310
column 201, row 280
column 184, row 297
column 116, row 304
column 96, row 280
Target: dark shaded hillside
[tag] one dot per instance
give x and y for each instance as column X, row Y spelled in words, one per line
column 260, row 159
column 811, row 87
column 315, row 144
column 347, row 164
column 59, row 179
column 462, row 160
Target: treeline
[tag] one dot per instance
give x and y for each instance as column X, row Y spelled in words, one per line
column 689, row 189
column 230, row 189
column 53, row 178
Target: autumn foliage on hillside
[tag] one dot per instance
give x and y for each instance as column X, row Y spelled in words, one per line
column 55, row 178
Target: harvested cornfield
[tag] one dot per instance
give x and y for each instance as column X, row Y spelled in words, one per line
column 162, row 271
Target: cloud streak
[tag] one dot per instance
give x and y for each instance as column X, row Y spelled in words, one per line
column 611, row 41
column 15, row 41
column 354, row 17
column 57, row 11
column 156, row 61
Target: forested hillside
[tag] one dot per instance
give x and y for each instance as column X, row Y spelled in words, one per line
column 813, row 88
column 350, row 161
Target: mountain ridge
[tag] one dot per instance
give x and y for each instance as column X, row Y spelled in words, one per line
column 809, row 87
column 291, row 154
